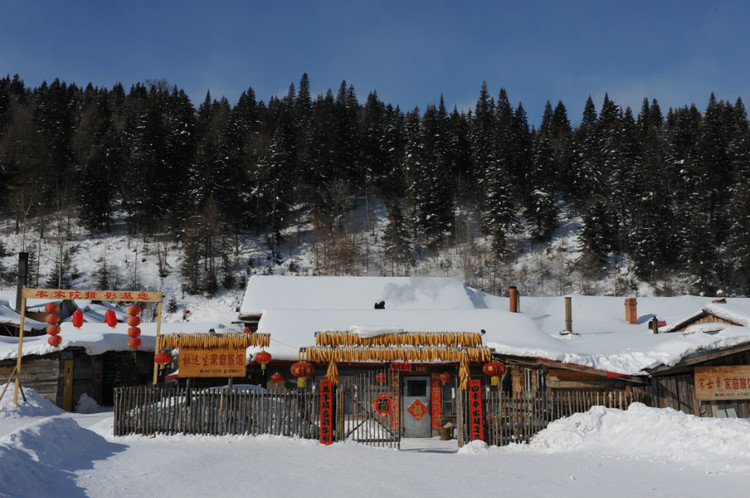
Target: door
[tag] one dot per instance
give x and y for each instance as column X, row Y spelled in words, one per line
column 417, row 407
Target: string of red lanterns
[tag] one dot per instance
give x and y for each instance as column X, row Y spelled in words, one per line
column 134, row 331
column 53, row 319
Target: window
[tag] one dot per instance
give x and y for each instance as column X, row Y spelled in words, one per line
column 416, row 387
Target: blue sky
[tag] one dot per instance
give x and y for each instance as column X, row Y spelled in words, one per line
column 410, row 52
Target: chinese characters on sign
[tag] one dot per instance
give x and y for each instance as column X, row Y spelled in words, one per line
column 214, row 362
column 401, row 367
column 475, row 409
column 93, row 295
column 722, row 383
column 326, row 412
column 417, row 410
column 382, row 405
column 435, row 401
column 395, row 400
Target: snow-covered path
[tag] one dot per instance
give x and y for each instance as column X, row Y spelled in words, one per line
column 640, row 452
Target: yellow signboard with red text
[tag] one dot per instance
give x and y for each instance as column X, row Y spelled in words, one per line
column 722, row 383
column 213, row 362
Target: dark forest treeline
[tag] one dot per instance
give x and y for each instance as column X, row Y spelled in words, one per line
column 667, row 190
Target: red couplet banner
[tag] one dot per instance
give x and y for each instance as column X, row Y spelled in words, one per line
column 326, row 412
column 475, row 408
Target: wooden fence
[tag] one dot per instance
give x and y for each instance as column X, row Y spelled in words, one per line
column 151, row 409
column 216, row 411
column 509, row 418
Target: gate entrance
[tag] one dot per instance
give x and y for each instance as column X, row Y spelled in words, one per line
column 417, row 407
column 368, row 408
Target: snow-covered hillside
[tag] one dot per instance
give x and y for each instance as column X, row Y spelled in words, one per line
column 155, row 263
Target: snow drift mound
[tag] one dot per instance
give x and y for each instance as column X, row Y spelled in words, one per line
column 643, row 432
column 34, row 406
column 40, row 458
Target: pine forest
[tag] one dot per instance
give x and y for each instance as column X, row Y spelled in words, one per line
column 653, row 195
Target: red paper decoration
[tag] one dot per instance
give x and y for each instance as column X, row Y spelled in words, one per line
column 54, row 340
column 134, row 331
column 52, row 319
column 110, row 318
column 445, row 377
column 263, row 359
column 134, row 321
column 52, row 308
column 326, row 412
column 134, row 342
column 302, row 370
column 53, row 329
column 77, row 319
column 277, row 379
column 381, row 377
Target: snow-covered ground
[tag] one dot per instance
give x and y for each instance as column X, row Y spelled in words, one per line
column 640, row 452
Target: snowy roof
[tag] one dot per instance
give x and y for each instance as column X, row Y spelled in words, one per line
column 9, row 316
column 731, row 311
column 602, row 339
column 94, row 336
column 356, row 293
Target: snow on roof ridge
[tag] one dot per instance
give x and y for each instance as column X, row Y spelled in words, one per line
column 717, row 308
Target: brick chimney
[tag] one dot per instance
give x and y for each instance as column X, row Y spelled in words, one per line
column 513, row 294
column 631, row 310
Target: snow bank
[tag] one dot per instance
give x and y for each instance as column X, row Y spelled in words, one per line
column 40, row 457
column 34, row 406
column 666, row 435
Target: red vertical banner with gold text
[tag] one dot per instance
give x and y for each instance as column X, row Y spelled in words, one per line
column 326, row 412
column 395, row 411
column 435, row 400
column 475, row 409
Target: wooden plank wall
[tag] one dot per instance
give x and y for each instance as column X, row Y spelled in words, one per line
column 40, row 373
column 678, row 390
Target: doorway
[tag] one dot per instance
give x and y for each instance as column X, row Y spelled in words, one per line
column 417, row 407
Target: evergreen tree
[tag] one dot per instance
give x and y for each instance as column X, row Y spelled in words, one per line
column 97, row 154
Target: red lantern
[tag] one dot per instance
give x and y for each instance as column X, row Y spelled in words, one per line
column 54, row 340
column 53, row 329
column 134, row 331
column 381, row 377
column 445, row 377
column 162, row 358
column 134, row 321
column 495, row 369
column 302, row 370
column 77, row 319
column 52, row 319
column 263, row 359
column 134, row 342
column 110, row 318
column 277, row 379
column 52, row 308
column 133, row 310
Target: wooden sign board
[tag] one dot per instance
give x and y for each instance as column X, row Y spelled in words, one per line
column 213, row 362
column 92, row 295
column 722, row 383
